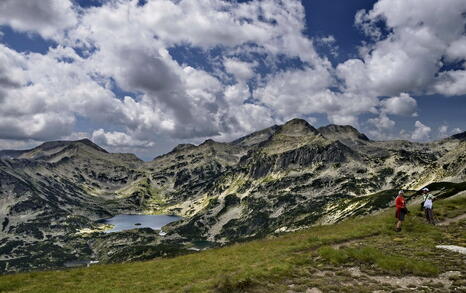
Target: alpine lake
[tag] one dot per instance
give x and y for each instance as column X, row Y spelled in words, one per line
column 127, row 222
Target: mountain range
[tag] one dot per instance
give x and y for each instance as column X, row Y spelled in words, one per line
column 282, row 178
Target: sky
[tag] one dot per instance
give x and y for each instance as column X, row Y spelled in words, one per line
column 143, row 76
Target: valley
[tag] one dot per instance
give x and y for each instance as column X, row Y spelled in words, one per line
column 281, row 179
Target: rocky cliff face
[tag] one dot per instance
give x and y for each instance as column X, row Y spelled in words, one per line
column 278, row 179
column 294, row 175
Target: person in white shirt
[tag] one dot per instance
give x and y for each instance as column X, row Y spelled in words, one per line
column 428, row 200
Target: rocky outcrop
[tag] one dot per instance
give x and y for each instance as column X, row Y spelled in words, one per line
column 344, row 133
column 261, row 164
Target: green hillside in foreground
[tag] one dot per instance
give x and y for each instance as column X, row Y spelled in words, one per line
column 358, row 255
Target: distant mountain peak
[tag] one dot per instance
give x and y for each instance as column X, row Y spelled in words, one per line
column 209, row 142
column 297, row 121
column 52, row 148
column 65, row 143
column 182, row 147
column 88, row 142
column 460, row 136
column 297, row 127
column 342, row 132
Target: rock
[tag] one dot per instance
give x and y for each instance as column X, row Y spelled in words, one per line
column 449, row 274
column 313, row 290
column 454, row 248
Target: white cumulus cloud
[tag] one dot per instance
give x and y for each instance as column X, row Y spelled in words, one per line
column 118, row 139
column 421, row 131
column 49, row 18
column 241, row 70
column 403, row 104
column 116, row 66
column 408, row 58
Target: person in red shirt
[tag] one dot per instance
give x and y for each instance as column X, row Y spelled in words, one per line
column 400, row 204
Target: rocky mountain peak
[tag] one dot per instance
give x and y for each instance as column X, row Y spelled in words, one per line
column 51, row 148
column 50, row 145
column 209, row 142
column 182, row 147
column 89, row 143
column 297, row 127
column 342, row 132
column 460, row 136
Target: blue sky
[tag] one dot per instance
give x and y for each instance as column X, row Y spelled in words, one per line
column 143, row 76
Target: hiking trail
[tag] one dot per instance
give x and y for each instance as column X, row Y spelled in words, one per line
column 448, row 221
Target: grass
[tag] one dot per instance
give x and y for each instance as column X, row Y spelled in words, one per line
column 269, row 265
column 449, row 209
column 388, row 263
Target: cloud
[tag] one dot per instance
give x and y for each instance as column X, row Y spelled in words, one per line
column 115, row 67
column 457, row 49
column 242, row 71
column 382, row 122
column 118, row 139
column 49, row 18
column 451, row 83
column 76, row 136
column 11, row 144
column 190, row 102
column 400, row 105
column 443, row 131
column 365, row 23
column 298, row 91
column 45, row 94
column 329, row 42
column 421, row 131
column 410, row 40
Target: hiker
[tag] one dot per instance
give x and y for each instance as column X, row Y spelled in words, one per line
column 401, row 210
column 427, row 204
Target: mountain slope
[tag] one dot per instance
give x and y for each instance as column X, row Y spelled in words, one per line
column 357, row 255
column 50, row 192
column 291, row 179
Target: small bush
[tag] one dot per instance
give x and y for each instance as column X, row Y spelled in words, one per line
column 228, row 286
column 364, row 255
column 335, row 256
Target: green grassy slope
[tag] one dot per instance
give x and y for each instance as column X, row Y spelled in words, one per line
column 299, row 260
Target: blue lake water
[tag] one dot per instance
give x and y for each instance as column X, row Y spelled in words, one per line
column 127, row 222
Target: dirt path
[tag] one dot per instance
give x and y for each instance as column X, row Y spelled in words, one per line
column 347, row 243
column 452, row 220
column 407, row 282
